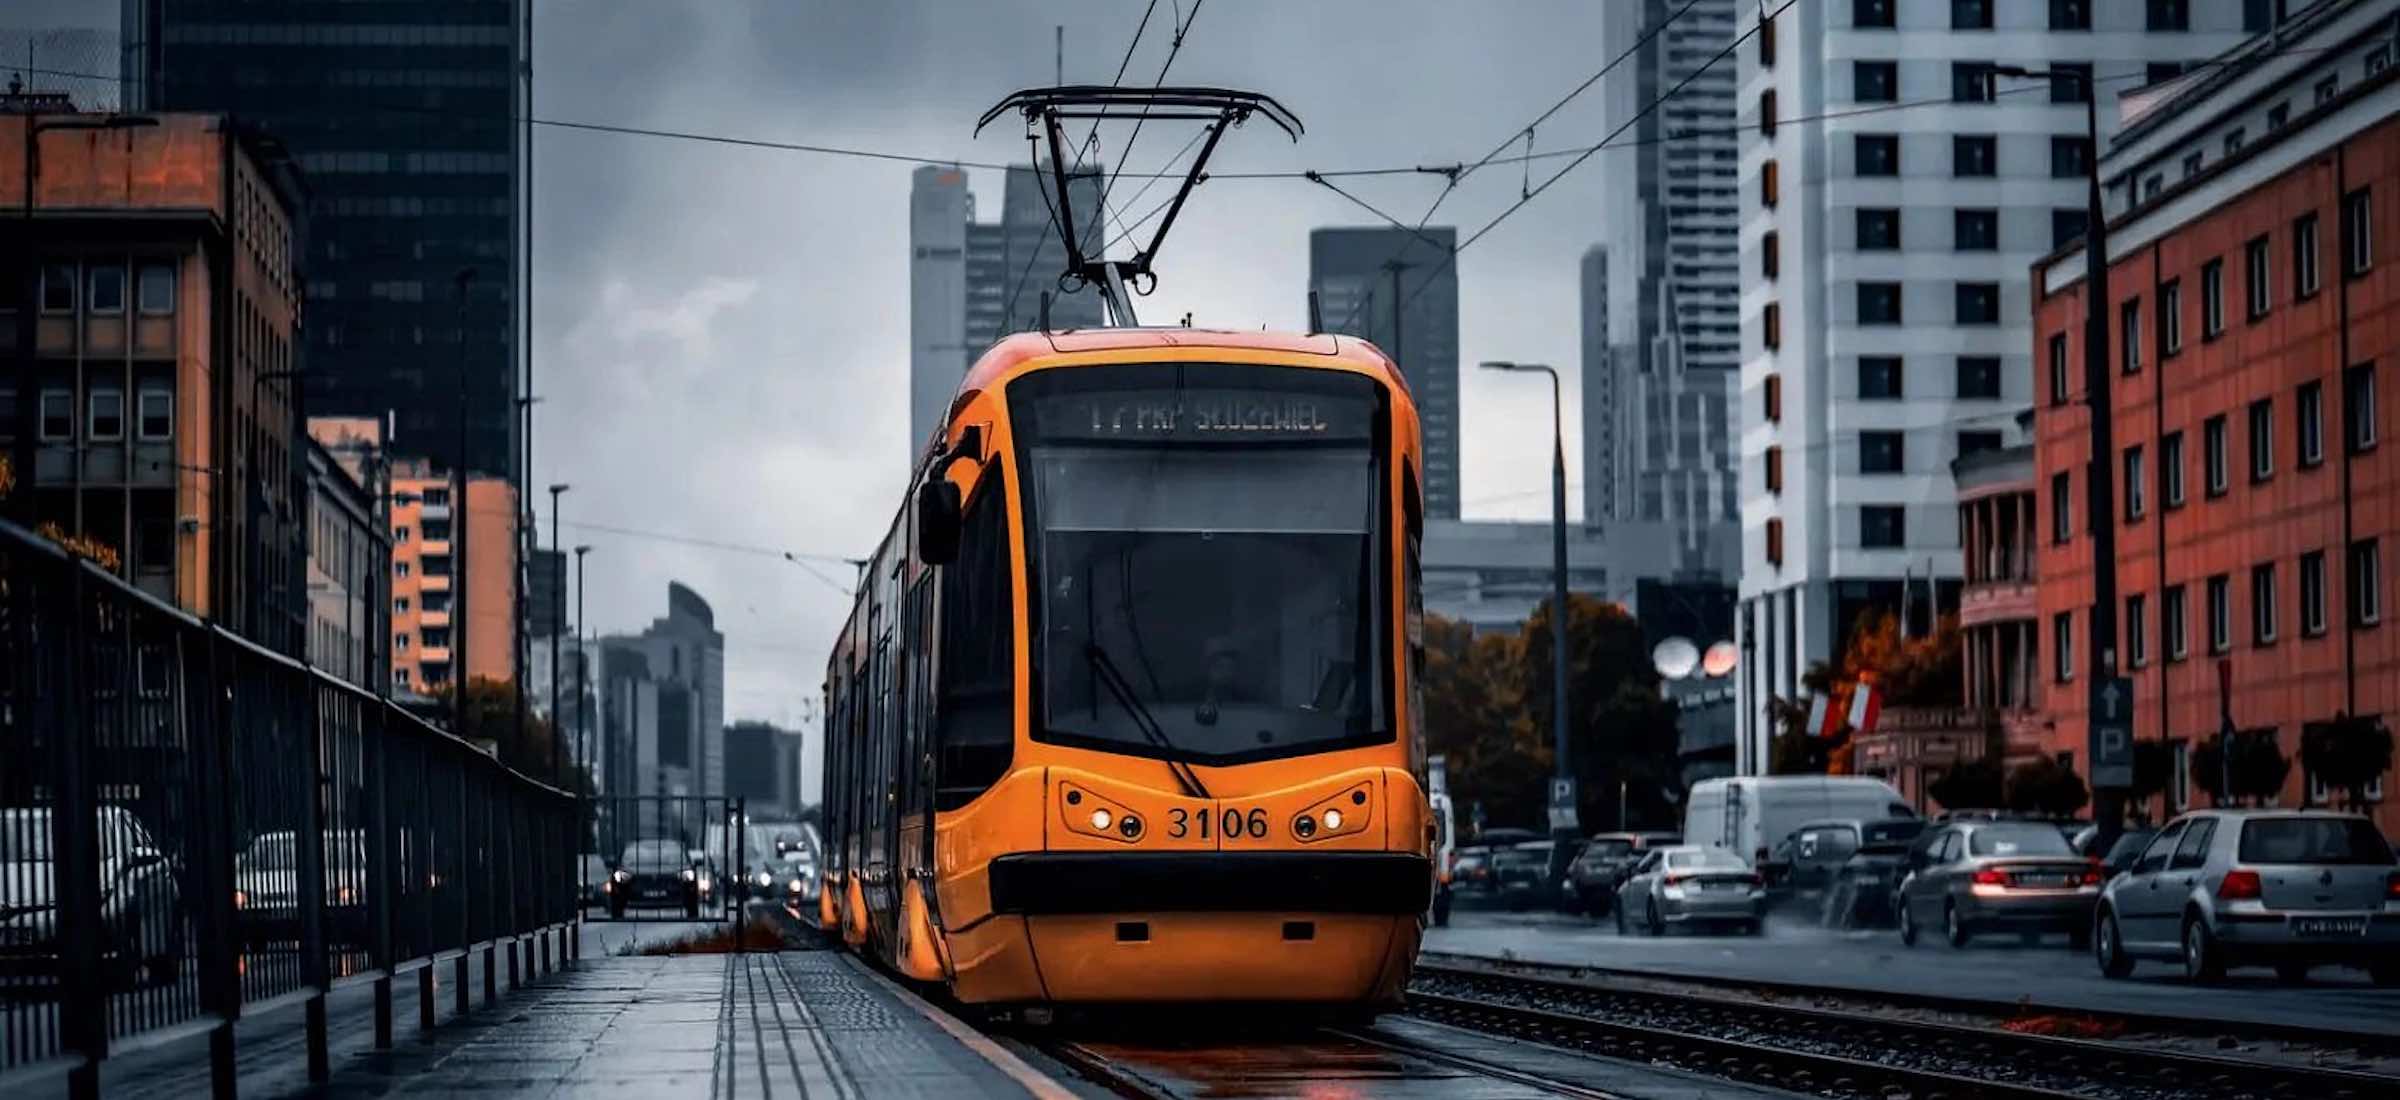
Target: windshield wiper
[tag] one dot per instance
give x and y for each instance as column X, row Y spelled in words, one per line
column 1107, row 673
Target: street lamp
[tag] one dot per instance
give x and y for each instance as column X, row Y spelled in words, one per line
column 2108, row 810
column 555, row 669
column 1563, row 783
column 583, row 673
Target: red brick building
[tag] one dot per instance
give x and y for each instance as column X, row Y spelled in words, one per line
column 2254, row 208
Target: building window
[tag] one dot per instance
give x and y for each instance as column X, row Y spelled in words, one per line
column 2191, row 164
column 2129, row 333
column 2358, row 232
column 2171, row 623
column 1979, row 377
column 2170, row 470
column 1878, row 154
column 400, row 641
column 400, row 605
column 2328, row 88
column 2062, row 645
column 2304, row 257
column 1879, row 378
column 2220, row 613
column 435, row 496
column 1883, row 526
column 1978, row 304
column 108, row 288
column 2312, row 423
column 1774, row 469
column 2262, row 604
column 2279, row 114
column 1768, row 192
column 2058, row 369
column 1772, row 394
column 1973, row 442
column 1775, row 542
column 2262, row 439
column 2070, row 157
column 154, row 292
column 2234, row 140
column 2066, row 225
column 2257, row 15
column 58, row 288
column 1878, row 229
column 2254, row 275
column 1771, row 322
column 2212, row 299
column 1770, row 254
column 1970, row 15
column 400, row 535
column 1766, row 113
column 400, row 569
column 437, row 530
column 1878, row 303
column 1871, row 13
column 1882, row 452
column 157, row 412
column 2312, row 593
column 2070, row 15
column 2358, row 399
column 2366, row 582
column 2212, row 455
column 436, row 565
column 2152, row 184
column 2062, row 505
column 2179, row 781
column 2135, row 484
column 2170, row 15
column 1875, row 81
column 2137, row 630
column 2170, row 318
column 1974, row 155
column 58, row 415
column 437, row 637
column 2379, row 59
column 1971, row 82
column 436, row 603
column 1975, row 230
column 107, row 422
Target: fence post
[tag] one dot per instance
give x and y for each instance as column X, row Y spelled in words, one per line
column 466, row 877
column 74, row 825
column 491, row 896
column 301, row 690
column 383, row 879
column 220, row 946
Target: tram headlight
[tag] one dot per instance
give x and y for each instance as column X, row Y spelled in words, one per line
column 1129, row 826
column 1304, row 826
column 1101, row 820
column 1333, row 819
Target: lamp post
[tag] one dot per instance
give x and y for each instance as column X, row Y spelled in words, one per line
column 557, row 671
column 583, row 759
column 1563, row 781
column 462, row 626
column 2108, row 809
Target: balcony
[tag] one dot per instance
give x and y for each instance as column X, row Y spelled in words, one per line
column 1995, row 601
column 432, row 618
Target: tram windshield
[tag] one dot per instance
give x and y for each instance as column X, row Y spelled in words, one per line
column 1206, row 558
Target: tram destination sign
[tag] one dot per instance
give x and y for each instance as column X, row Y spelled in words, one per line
column 1199, row 415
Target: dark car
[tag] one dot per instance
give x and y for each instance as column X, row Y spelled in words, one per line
column 1471, row 872
column 1806, row 861
column 1521, row 874
column 2120, row 855
column 141, row 926
column 1592, row 878
column 1860, row 892
column 654, row 874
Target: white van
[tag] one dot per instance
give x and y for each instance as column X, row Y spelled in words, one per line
column 1748, row 815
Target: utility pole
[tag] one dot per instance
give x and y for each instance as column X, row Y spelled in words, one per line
column 461, row 625
column 559, row 595
column 1562, row 781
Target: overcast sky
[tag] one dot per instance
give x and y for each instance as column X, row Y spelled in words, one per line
column 721, row 335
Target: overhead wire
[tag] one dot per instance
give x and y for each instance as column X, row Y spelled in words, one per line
column 1109, row 185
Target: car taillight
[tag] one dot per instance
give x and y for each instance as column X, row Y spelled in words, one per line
column 1991, row 877
column 2241, row 884
column 2092, row 874
column 2391, row 886
column 1677, row 880
column 1757, row 879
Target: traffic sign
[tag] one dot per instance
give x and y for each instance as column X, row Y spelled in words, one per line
column 1562, row 804
column 2111, row 741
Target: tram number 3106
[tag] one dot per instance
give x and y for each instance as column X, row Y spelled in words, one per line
column 1229, row 824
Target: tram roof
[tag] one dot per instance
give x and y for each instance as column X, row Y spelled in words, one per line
column 1013, row 351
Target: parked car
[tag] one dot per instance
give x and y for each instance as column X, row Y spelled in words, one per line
column 141, row 926
column 1972, row 876
column 1471, row 870
column 1860, row 893
column 654, row 874
column 266, row 887
column 1592, row 878
column 1686, row 886
column 2292, row 889
column 1749, row 815
column 2120, row 855
column 1521, row 875
column 1803, row 864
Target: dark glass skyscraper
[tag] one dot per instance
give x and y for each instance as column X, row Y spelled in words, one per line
column 400, row 116
column 1400, row 290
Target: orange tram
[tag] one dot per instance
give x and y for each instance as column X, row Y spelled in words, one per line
column 1127, row 708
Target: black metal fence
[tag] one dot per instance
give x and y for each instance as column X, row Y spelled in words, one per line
column 194, row 829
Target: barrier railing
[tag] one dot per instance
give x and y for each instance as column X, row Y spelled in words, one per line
column 194, row 829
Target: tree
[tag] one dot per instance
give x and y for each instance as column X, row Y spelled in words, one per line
column 1906, row 672
column 2259, row 767
column 1976, row 784
column 491, row 716
column 2046, row 787
column 1475, row 715
column 1621, row 735
column 2153, row 771
column 2347, row 754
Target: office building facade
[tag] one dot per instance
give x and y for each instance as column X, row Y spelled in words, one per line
column 1885, row 315
column 401, row 118
column 1399, row 289
column 662, row 703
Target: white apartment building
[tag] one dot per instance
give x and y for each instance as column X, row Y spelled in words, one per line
column 1895, row 194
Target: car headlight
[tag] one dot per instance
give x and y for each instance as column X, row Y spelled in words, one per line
column 623, row 876
column 687, row 874
column 793, row 886
column 765, row 879
column 705, row 884
column 241, row 899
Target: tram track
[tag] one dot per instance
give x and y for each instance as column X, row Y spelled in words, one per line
column 1378, row 1061
column 1837, row 1053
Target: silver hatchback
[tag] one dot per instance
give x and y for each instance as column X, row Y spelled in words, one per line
column 2287, row 888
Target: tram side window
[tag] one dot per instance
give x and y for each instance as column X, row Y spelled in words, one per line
column 978, row 655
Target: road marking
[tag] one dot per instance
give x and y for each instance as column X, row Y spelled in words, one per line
column 1030, row 1079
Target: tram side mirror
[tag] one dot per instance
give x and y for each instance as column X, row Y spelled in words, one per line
column 937, row 521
